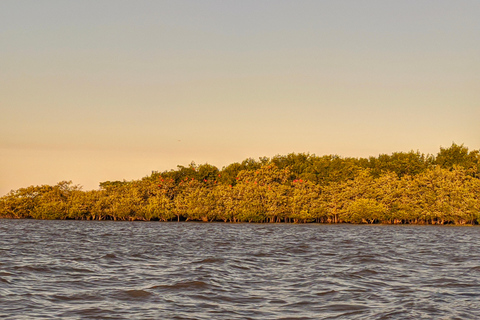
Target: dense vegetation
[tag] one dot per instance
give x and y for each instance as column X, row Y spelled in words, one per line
column 408, row 188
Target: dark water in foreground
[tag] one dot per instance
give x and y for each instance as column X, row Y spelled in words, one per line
column 121, row 270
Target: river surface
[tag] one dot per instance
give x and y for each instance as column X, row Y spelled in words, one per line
column 152, row 270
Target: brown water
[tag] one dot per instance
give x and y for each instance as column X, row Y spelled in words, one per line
column 127, row 270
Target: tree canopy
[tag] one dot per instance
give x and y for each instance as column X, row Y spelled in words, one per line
column 401, row 188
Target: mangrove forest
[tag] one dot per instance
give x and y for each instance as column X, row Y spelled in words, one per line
column 400, row 188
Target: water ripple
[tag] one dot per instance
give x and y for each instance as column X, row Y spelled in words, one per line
column 118, row 270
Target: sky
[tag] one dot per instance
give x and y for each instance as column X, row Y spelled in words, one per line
column 92, row 91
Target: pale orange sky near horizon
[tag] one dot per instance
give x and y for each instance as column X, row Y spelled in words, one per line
column 93, row 91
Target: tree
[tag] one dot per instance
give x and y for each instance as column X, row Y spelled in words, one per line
column 458, row 156
column 364, row 211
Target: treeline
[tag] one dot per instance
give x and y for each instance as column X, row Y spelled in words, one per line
column 401, row 188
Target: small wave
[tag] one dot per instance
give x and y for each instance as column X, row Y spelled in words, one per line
column 326, row 293
column 210, row 260
column 4, row 280
column 137, row 293
column 139, row 255
column 299, row 249
column 363, row 260
column 300, row 304
column 81, row 259
column 184, row 285
column 261, row 254
column 237, row 266
column 79, row 270
column 132, row 294
column 475, row 269
column 108, row 234
column 94, row 313
column 277, row 301
column 365, row 273
column 64, row 298
column 344, row 307
column 33, row 268
column 109, row 256
column 77, row 297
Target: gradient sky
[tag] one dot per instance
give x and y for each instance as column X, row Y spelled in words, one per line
column 110, row 90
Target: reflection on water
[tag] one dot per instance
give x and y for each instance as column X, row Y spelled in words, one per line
column 119, row 270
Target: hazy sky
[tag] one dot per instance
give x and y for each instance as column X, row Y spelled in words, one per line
column 110, row 90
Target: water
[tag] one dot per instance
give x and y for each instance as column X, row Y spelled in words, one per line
column 121, row 270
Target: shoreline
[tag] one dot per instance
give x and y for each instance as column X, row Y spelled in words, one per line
column 253, row 223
